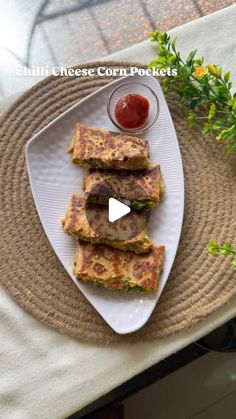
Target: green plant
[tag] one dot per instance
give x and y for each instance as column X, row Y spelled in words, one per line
column 226, row 249
column 197, row 84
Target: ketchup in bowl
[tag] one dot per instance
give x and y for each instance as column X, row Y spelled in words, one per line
column 131, row 111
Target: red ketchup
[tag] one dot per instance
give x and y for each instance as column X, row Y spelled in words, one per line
column 131, row 111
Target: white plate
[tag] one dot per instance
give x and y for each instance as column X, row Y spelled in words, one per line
column 53, row 179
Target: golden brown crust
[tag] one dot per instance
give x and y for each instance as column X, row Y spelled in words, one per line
column 120, row 270
column 127, row 233
column 94, row 147
column 143, row 186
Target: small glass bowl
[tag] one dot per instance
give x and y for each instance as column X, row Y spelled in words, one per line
column 138, row 88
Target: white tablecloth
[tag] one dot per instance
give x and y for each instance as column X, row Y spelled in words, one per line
column 45, row 374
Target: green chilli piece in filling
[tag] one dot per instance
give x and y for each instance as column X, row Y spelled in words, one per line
column 134, row 203
column 91, row 162
column 125, row 282
column 131, row 287
column 136, row 288
column 144, row 203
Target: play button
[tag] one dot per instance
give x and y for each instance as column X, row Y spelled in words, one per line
column 116, row 210
column 110, row 216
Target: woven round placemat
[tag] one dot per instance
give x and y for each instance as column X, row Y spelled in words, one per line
column 35, row 278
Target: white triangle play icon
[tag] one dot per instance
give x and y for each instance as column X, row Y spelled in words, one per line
column 116, row 210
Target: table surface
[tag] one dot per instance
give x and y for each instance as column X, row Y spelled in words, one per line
column 53, row 375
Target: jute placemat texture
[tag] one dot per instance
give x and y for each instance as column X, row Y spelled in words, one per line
column 33, row 275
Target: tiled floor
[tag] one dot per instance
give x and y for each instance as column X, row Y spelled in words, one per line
column 204, row 389
column 68, row 32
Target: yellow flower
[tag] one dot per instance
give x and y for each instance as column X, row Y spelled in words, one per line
column 200, row 71
column 212, row 69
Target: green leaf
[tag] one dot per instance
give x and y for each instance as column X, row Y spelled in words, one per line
column 191, row 119
column 227, row 76
column 227, row 249
column 230, row 147
column 191, row 56
column 226, row 133
column 189, row 92
column 195, row 102
column 154, row 35
column 163, row 38
column 173, row 59
column 208, row 86
column 153, row 63
column 207, row 129
column 212, row 111
column 185, row 72
column 166, row 84
column 219, row 71
column 213, row 247
column 173, row 42
column 217, row 125
column 199, row 61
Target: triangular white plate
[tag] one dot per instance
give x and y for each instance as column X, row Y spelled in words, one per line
column 54, row 178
